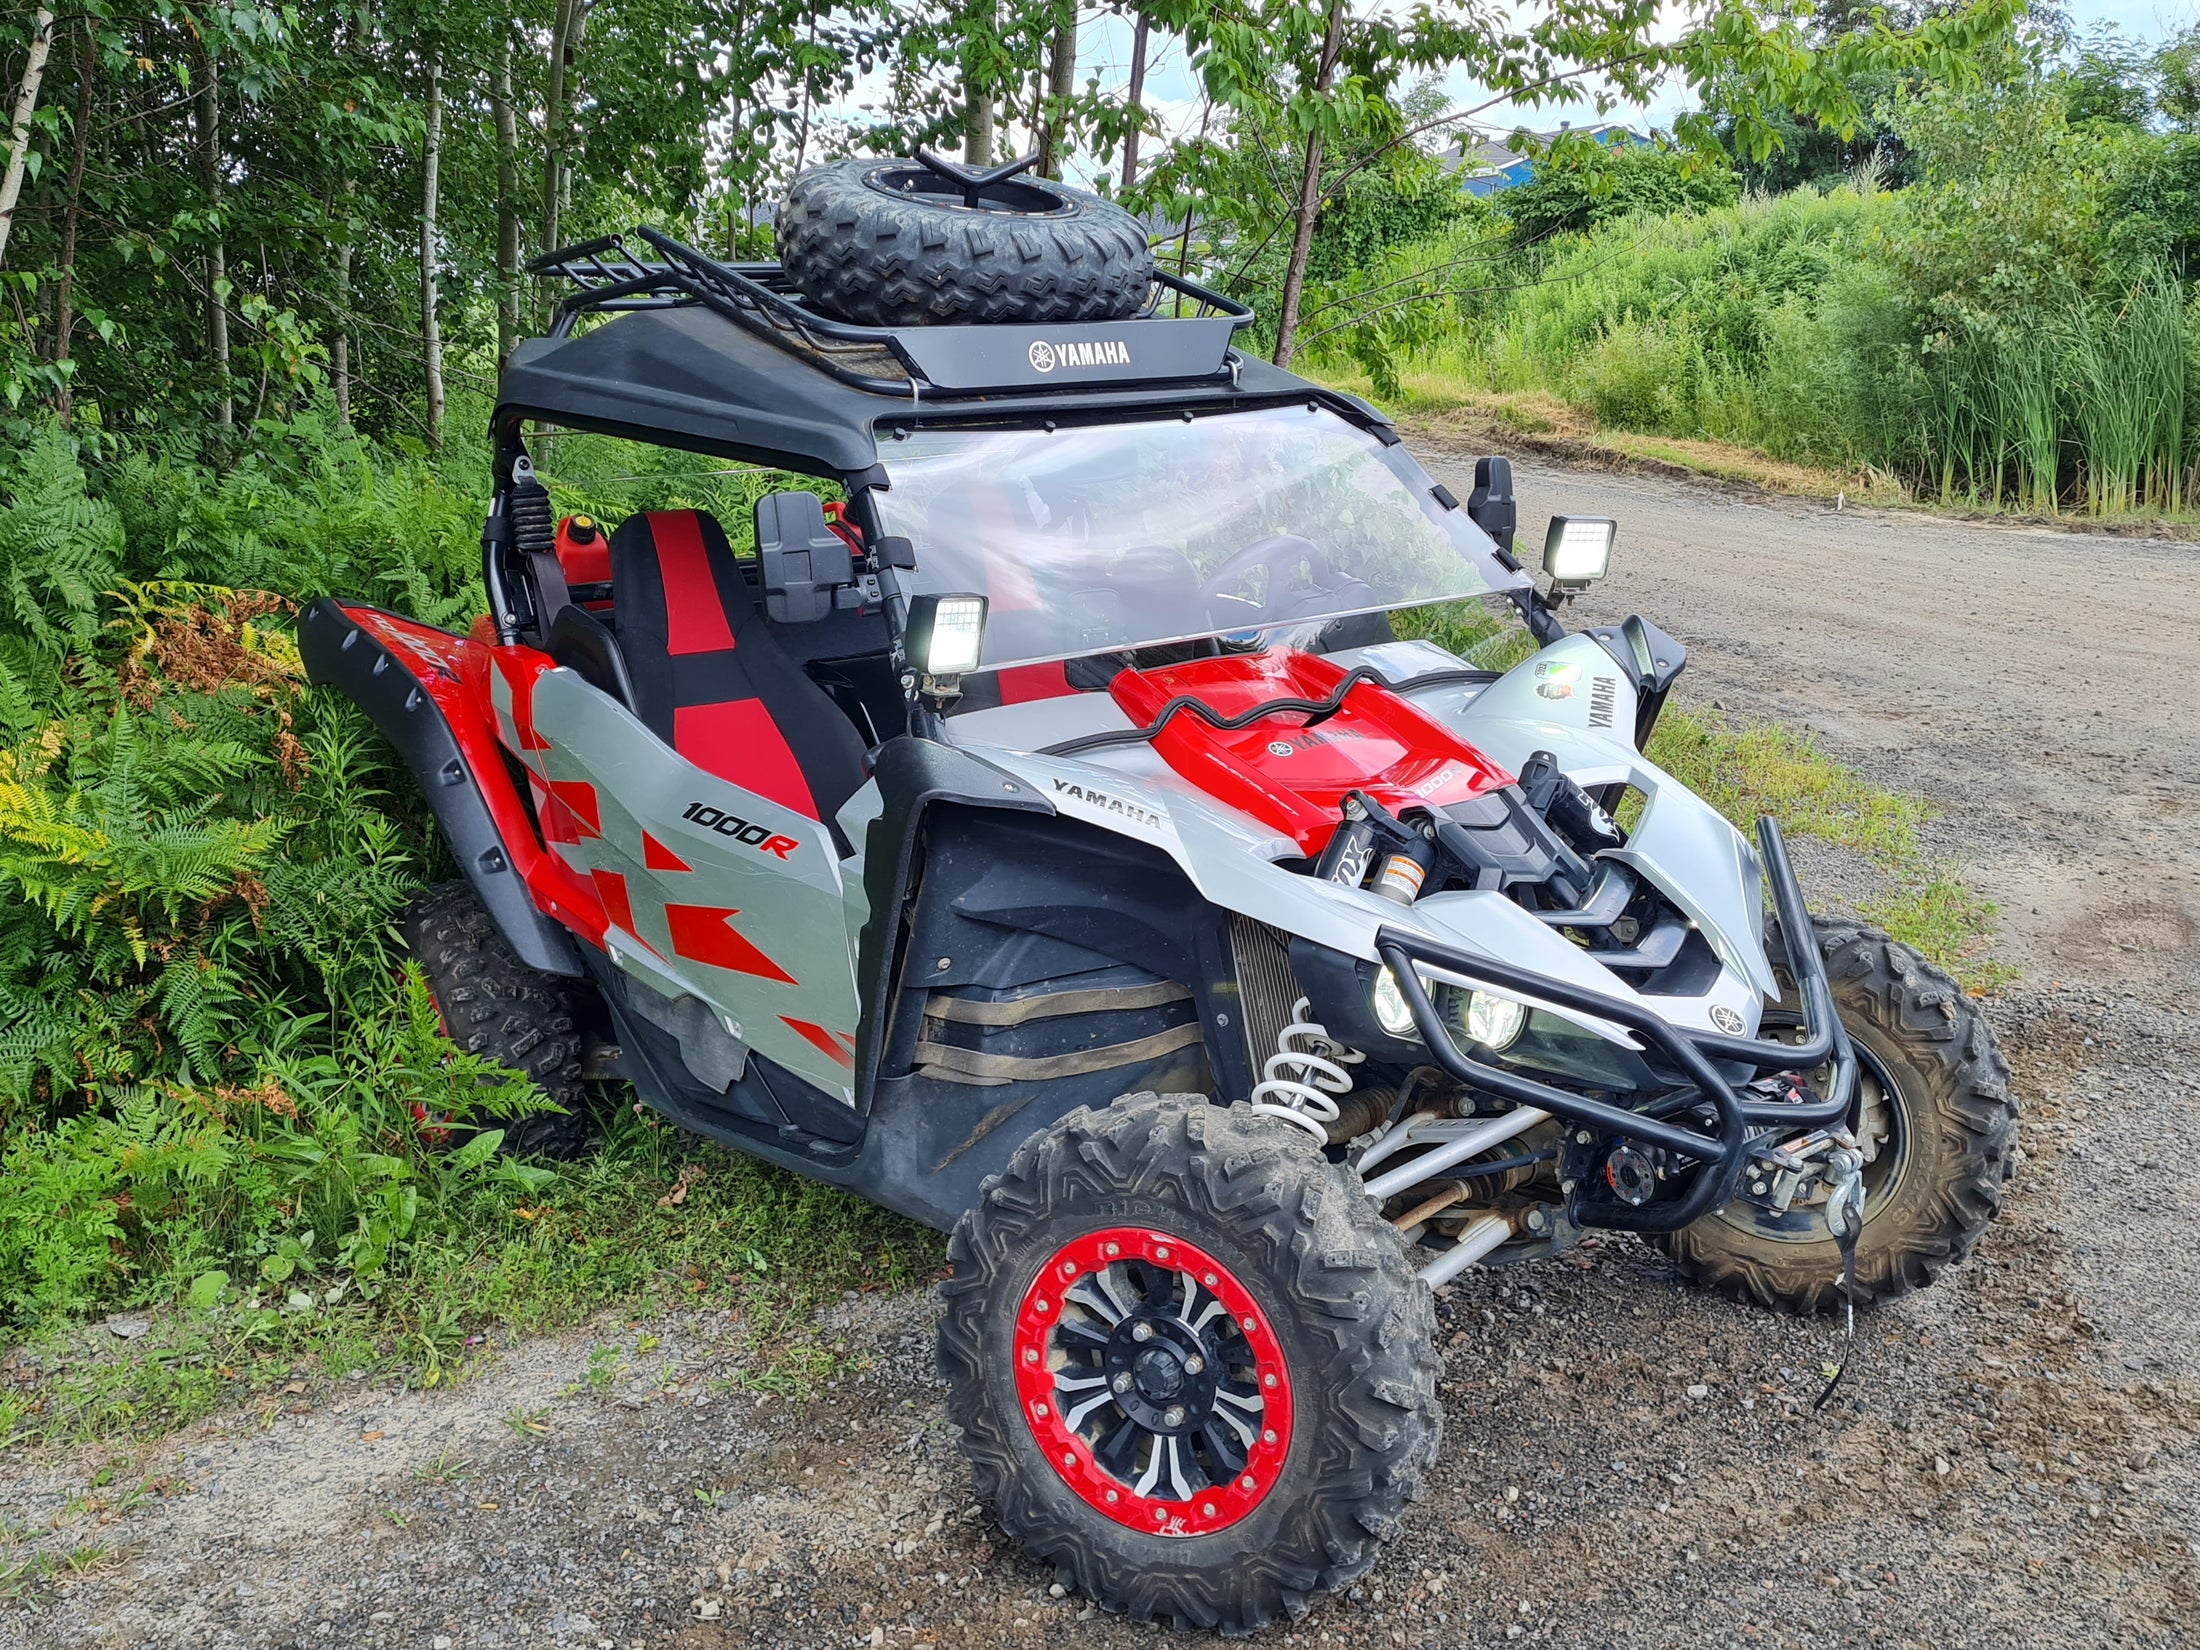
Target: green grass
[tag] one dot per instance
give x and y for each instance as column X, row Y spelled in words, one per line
column 1746, row 769
column 751, row 1237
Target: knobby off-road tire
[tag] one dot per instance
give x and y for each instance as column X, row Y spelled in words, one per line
column 863, row 249
column 495, row 1006
column 1337, row 1340
column 1938, row 1179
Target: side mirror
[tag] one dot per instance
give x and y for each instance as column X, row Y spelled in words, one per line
column 1490, row 506
column 1577, row 550
column 803, row 560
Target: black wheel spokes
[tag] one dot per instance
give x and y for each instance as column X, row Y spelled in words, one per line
column 1152, row 1371
column 1221, row 1451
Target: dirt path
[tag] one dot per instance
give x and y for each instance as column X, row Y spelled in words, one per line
column 1625, row 1462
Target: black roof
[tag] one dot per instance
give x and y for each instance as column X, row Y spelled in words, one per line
column 723, row 358
column 691, row 378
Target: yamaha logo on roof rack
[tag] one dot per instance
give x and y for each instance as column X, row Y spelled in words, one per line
column 1006, row 355
column 1045, row 355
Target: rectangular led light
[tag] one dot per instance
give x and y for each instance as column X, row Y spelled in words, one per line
column 945, row 634
column 1578, row 549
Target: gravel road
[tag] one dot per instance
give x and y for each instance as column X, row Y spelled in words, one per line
column 2013, row 1463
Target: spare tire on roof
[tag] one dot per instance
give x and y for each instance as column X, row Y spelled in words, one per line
column 927, row 243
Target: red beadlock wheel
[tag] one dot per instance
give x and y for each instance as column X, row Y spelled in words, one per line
column 1190, row 1362
column 1152, row 1381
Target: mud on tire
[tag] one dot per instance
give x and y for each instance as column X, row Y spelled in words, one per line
column 1325, row 1277
column 855, row 241
column 1955, row 1135
column 495, row 1006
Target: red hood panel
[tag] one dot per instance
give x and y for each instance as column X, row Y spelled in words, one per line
column 1291, row 776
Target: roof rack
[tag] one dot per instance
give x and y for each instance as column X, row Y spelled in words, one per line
column 939, row 361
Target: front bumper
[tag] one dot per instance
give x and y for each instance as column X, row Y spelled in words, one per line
column 1740, row 1113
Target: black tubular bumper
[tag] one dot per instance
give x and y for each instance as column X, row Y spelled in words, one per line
column 1740, row 1112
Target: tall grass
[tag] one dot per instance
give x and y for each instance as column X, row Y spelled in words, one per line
column 1790, row 325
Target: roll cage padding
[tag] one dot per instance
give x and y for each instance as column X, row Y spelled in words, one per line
column 709, row 677
column 341, row 654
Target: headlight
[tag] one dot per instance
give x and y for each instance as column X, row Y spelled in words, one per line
column 1392, row 1012
column 1485, row 1020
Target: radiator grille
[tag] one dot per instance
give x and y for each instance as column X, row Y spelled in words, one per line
column 1266, row 986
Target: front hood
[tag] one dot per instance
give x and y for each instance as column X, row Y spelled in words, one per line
column 1294, row 779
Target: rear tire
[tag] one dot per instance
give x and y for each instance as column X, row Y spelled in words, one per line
column 1295, row 1294
column 495, row 1006
column 1936, row 1178
column 852, row 240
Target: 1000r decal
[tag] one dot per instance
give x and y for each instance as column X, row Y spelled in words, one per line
column 759, row 837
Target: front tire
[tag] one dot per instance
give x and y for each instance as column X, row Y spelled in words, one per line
column 1192, row 1366
column 1937, row 1121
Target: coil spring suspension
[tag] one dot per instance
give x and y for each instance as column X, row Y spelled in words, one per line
column 1304, row 1076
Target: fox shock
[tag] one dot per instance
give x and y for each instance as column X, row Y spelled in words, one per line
column 1303, row 1078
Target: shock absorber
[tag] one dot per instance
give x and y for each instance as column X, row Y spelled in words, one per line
column 1303, row 1078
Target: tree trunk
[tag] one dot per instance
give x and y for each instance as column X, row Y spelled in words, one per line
column 340, row 346
column 1310, row 196
column 19, row 130
column 507, row 125
column 431, row 336
column 553, row 119
column 1061, row 85
column 206, row 108
column 64, row 294
column 978, row 100
column 1138, row 110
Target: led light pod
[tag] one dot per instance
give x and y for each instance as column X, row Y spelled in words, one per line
column 1577, row 550
column 945, row 635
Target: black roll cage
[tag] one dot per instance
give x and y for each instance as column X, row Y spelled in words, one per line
column 1740, row 1113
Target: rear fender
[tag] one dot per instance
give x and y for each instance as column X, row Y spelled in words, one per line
column 410, row 680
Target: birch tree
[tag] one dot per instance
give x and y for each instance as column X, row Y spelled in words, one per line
column 19, row 129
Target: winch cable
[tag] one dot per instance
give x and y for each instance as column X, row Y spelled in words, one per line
column 1845, row 1234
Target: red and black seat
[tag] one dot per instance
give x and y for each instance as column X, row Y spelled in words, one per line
column 711, row 680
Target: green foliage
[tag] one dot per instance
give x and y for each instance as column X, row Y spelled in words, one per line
column 2012, row 329
column 1583, row 183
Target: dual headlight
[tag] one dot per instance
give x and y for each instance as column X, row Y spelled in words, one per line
column 1479, row 1018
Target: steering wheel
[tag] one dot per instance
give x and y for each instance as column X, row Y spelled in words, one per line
column 1282, row 556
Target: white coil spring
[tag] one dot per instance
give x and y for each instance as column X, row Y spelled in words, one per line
column 1305, row 1074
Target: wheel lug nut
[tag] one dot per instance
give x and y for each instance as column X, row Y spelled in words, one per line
column 1173, row 1416
column 1194, row 1364
column 1122, row 1383
column 1141, row 1331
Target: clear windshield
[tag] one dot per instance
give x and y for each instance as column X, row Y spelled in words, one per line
column 1112, row 536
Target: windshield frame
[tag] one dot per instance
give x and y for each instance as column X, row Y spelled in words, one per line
column 1484, row 563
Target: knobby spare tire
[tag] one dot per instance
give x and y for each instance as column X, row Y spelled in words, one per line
column 891, row 243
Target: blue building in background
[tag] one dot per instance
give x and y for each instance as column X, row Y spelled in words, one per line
column 1486, row 166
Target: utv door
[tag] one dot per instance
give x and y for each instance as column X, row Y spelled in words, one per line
column 713, row 891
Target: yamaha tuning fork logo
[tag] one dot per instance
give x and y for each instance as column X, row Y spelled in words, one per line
column 1045, row 356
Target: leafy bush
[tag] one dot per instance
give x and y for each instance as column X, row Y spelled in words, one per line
column 1582, row 184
